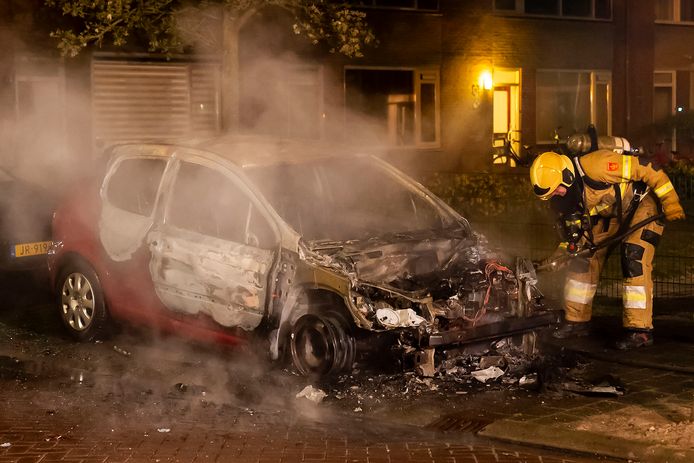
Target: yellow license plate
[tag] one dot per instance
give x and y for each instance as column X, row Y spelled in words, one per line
column 31, row 249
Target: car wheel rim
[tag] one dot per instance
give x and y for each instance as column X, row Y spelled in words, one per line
column 77, row 300
column 320, row 346
column 311, row 346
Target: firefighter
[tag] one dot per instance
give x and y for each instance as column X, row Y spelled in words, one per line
column 602, row 193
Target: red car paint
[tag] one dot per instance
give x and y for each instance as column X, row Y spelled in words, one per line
column 127, row 286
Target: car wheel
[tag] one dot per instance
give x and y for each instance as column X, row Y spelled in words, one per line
column 81, row 302
column 322, row 345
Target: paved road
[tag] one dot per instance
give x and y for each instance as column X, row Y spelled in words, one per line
column 137, row 398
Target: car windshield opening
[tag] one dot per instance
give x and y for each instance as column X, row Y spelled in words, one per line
column 345, row 199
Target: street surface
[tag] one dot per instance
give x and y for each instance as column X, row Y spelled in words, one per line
column 141, row 397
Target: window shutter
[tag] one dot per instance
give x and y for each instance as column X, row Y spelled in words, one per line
column 141, row 100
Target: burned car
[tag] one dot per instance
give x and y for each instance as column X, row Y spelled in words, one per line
column 319, row 252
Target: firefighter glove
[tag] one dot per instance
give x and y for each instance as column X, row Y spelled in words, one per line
column 673, row 211
column 550, row 264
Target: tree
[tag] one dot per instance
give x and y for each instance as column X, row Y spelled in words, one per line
column 115, row 22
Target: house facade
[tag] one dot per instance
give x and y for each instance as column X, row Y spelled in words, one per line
column 448, row 80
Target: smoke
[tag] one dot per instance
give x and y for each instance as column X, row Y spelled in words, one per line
column 140, row 382
column 48, row 134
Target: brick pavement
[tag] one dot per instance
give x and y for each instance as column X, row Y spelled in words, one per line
column 635, row 425
column 49, row 414
column 48, row 422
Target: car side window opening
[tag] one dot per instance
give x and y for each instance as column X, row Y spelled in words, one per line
column 133, row 186
column 206, row 201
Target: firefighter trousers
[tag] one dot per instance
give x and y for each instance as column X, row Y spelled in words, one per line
column 637, row 252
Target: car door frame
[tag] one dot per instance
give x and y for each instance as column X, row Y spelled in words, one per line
column 155, row 239
column 122, row 216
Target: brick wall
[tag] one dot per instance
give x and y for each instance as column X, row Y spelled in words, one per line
column 466, row 37
column 475, row 39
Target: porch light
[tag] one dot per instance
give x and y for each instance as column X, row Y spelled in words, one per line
column 485, row 80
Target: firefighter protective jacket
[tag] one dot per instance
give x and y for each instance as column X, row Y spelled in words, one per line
column 610, row 183
column 609, row 180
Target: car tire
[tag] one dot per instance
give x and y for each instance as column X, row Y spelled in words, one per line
column 322, row 345
column 81, row 302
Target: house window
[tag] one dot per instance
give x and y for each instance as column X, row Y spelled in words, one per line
column 664, row 107
column 579, row 8
column 567, row 101
column 509, row 5
column 431, row 5
column 674, row 10
column 548, row 7
column 282, row 100
column 398, row 105
column 588, row 9
column 39, row 109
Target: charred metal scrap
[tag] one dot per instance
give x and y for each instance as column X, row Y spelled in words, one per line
column 435, row 290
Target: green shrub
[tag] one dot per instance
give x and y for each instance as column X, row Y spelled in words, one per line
column 680, row 168
column 487, row 195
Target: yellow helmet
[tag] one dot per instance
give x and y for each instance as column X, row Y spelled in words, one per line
column 548, row 171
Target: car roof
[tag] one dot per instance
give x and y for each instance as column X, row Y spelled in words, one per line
column 249, row 151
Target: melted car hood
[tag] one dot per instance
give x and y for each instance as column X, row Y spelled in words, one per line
column 408, row 261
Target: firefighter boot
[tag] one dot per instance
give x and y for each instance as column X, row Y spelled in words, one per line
column 568, row 329
column 633, row 339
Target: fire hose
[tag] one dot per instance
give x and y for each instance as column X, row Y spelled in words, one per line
column 591, row 249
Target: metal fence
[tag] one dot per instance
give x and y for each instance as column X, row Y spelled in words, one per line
column 684, row 185
column 673, row 276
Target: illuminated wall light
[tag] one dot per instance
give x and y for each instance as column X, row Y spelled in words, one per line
column 485, row 80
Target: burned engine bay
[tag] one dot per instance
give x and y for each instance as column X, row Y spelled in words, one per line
column 436, row 288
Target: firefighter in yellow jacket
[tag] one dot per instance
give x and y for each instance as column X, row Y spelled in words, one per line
column 608, row 191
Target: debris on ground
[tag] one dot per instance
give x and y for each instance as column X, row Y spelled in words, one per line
column 121, row 351
column 313, row 394
column 607, row 385
column 529, row 381
column 498, row 366
column 488, row 373
column 164, row 430
column 190, row 389
column 5, row 445
column 425, row 363
column 492, row 361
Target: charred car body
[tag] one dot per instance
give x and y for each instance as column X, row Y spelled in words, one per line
column 321, row 253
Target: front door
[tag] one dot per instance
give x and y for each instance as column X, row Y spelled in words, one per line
column 506, row 117
column 214, row 250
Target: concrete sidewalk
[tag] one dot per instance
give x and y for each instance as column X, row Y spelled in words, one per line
column 651, row 421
